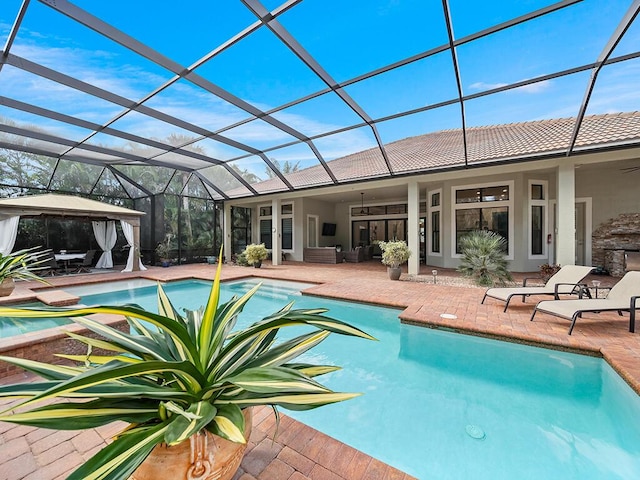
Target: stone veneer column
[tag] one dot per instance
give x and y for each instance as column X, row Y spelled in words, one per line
column 566, row 216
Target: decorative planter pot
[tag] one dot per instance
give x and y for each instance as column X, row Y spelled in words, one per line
column 6, row 287
column 202, row 457
column 165, row 263
column 394, row 273
column 258, row 264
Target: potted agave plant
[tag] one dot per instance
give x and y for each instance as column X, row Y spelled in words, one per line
column 184, row 384
column 394, row 254
column 20, row 265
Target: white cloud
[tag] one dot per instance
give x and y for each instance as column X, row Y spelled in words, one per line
column 111, row 72
column 481, row 86
column 537, row 87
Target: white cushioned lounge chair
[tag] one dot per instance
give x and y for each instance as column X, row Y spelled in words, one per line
column 564, row 281
column 623, row 297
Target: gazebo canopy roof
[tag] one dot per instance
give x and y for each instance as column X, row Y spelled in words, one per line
column 66, row 205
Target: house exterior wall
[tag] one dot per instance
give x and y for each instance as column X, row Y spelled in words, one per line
column 326, row 214
column 601, row 184
column 614, row 190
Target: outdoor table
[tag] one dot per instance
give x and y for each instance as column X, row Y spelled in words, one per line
column 65, row 258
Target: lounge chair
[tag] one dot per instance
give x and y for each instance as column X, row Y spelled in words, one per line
column 623, row 297
column 564, row 281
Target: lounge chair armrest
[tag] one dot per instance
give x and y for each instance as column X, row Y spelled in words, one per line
column 580, row 287
column 525, row 280
column 633, row 304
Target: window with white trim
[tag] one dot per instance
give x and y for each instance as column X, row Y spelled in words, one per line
column 435, row 222
column 538, row 208
column 482, row 207
column 286, row 226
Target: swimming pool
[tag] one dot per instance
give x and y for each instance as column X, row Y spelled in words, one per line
column 448, row 406
column 11, row 327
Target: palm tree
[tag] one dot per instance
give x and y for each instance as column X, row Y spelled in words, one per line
column 484, row 259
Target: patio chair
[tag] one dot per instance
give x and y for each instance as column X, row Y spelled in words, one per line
column 623, row 297
column 51, row 267
column 564, row 281
column 354, row 256
column 87, row 262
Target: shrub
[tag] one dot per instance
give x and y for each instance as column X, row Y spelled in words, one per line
column 241, row 259
column 483, row 258
column 547, row 270
column 255, row 253
column 394, row 253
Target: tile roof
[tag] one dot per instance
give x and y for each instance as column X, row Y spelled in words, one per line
column 486, row 144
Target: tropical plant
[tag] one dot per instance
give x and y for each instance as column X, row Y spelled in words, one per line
column 23, row 264
column 548, row 270
column 484, row 259
column 255, row 253
column 175, row 376
column 241, row 260
column 163, row 250
column 394, row 253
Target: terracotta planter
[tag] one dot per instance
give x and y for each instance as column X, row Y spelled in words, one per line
column 394, row 273
column 203, row 457
column 6, row 287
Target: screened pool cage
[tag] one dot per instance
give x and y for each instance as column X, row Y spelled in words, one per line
column 248, row 99
column 185, row 216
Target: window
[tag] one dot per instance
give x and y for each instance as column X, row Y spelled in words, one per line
column 485, row 207
column 287, row 233
column 265, row 233
column 286, row 226
column 486, row 194
column 495, row 219
column 537, row 218
column 435, row 232
column 435, row 222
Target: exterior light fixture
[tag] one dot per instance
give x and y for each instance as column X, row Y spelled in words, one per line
column 361, row 203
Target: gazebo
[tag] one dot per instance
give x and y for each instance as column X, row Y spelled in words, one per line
column 104, row 215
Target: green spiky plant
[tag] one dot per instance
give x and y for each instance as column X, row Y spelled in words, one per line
column 23, row 264
column 169, row 382
column 484, row 259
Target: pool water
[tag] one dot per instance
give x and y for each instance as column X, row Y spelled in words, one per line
column 440, row 405
column 10, row 327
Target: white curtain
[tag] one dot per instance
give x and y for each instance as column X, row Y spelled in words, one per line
column 106, row 237
column 127, row 230
column 8, row 233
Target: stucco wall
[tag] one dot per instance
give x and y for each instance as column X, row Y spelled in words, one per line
column 614, row 190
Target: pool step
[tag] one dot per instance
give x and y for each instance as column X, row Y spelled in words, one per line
column 57, row 298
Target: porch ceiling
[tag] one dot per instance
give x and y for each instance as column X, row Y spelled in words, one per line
column 239, row 99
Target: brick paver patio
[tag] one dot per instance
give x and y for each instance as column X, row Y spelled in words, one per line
column 300, row 452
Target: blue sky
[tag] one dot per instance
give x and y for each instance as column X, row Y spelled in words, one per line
column 348, row 39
